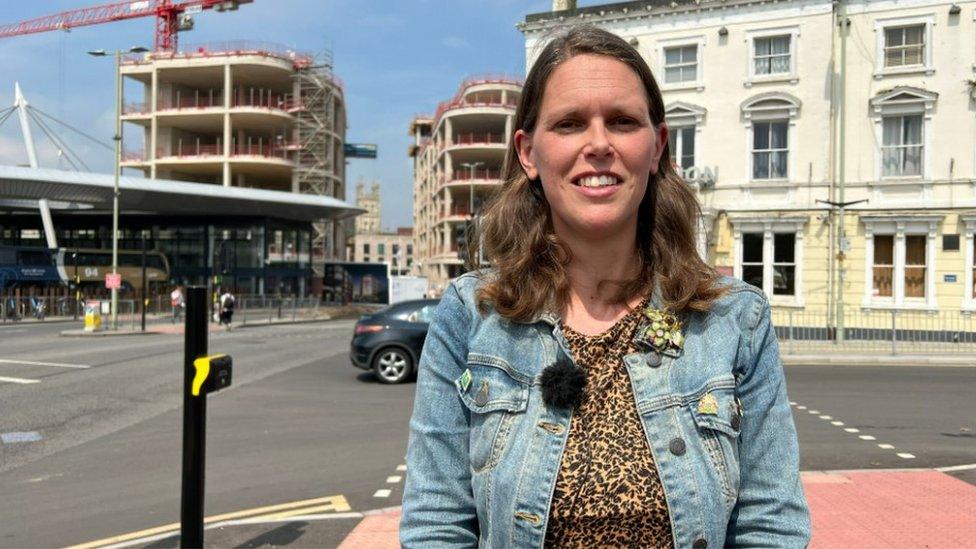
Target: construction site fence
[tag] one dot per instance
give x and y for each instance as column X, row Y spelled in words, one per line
column 894, row 332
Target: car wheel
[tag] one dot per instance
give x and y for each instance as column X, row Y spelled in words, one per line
column 392, row 365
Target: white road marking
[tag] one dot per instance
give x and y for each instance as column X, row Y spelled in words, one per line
column 852, row 430
column 382, row 494
column 393, row 480
column 837, row 423
column 905, row 456
column 826, row 417
column 813, row 412
column 20, row 380
column 56, row 364
column 792, row 403
column 866, row 437
column 801, row 407
column 20, row 436
column 401, row 467
column 886, row 447
column 966, row 467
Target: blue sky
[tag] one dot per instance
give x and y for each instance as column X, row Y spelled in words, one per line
column 396, row 59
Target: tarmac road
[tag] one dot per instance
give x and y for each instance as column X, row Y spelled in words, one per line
column 303, row 431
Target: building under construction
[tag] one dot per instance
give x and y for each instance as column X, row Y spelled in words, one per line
column 241, row 114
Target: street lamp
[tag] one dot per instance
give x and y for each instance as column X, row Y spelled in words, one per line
column 471, row 167
column 118, row 168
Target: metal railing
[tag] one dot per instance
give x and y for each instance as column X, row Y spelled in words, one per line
column 477, row 139
column 39, row 308
column 877, row 331
column 477, row 173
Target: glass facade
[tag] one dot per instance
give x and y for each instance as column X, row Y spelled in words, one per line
column 247, row 254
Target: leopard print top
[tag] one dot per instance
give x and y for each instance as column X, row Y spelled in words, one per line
column 608, row 493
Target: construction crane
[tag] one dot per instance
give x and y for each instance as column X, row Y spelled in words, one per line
column 171, row 18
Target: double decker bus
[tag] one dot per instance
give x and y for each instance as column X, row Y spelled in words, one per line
column 32, row 266
column 89, row 266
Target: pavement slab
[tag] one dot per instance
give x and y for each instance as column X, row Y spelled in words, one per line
column 864, row 509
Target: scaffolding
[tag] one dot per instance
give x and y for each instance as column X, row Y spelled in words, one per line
column 319, row 159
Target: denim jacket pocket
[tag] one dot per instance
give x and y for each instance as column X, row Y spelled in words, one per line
column 717, row 416
column 495, row 400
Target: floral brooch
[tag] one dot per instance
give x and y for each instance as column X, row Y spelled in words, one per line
column 664, row 330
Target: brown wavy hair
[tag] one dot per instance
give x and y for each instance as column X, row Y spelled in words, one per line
column 517, row 235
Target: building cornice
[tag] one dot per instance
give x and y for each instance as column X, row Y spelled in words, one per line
column 638, row 10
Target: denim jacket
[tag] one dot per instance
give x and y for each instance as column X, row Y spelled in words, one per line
column 485, row 449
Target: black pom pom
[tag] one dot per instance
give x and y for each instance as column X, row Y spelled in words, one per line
column 562, row 385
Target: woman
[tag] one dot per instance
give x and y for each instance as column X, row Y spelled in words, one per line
column 601, row 386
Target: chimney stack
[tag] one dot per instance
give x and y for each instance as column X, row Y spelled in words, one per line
column 560, row 5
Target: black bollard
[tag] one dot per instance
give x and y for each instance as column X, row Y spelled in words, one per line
column 194, row 420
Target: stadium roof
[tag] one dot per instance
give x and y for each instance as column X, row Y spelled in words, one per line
column 69, row 190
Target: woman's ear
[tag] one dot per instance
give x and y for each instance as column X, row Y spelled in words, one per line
column 661, row 139
column 523, row 146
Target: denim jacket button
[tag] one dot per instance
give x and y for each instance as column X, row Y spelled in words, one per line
column 677, row 446
column 700, row 543
column 654, row 360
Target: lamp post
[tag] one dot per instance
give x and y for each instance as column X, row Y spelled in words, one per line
column 118, row 169
column 471, row 166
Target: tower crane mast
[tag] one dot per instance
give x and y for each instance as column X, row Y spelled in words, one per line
column 171, row 18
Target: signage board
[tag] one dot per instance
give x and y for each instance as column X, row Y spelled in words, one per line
column 113, row 281
column 359, row 150
column 949, row 278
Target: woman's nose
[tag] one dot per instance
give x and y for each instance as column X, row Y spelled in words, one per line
column 598, row 142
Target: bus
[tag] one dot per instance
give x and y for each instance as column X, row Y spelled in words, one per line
column 89, row 266
column 33, row 266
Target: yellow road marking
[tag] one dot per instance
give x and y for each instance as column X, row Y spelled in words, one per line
column 336, row 503
column 339, row 506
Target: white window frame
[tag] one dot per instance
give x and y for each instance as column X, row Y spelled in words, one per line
column 903, row 146
column 903, row 101
column 899, row 227
column 792, row 76
column 772, row 107
column 880, row 71
column 699, row 83
column 969, row 241
column 768, row 227
column 677, row 131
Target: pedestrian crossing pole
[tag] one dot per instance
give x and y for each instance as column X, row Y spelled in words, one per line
column 202, row 374
column 194, row 420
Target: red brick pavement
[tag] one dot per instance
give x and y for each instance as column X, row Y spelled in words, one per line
column 851, row 509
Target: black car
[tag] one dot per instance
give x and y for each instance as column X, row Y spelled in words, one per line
column 389, row 341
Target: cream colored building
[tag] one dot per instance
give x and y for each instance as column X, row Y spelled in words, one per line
column 753, row 97
column 241, row 115
column 458, row 155
column 384, row 247
column 368, row 222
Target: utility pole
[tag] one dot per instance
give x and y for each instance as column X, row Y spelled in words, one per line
column 841, row 176
column 118, row 170
column 471, row 166
column 144, row 300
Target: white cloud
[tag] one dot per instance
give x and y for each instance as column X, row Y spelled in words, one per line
column 455, row 42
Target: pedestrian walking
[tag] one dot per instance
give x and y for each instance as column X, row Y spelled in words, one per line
column 227, row 304
column 601, row 385
column 177, row 302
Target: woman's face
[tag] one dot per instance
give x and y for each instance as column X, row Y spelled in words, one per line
column 593, row 147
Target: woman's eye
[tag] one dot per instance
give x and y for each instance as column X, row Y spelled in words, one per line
column 625, row 121
column 566, row 125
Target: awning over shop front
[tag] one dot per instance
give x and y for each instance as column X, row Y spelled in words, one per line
column 68, row 190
